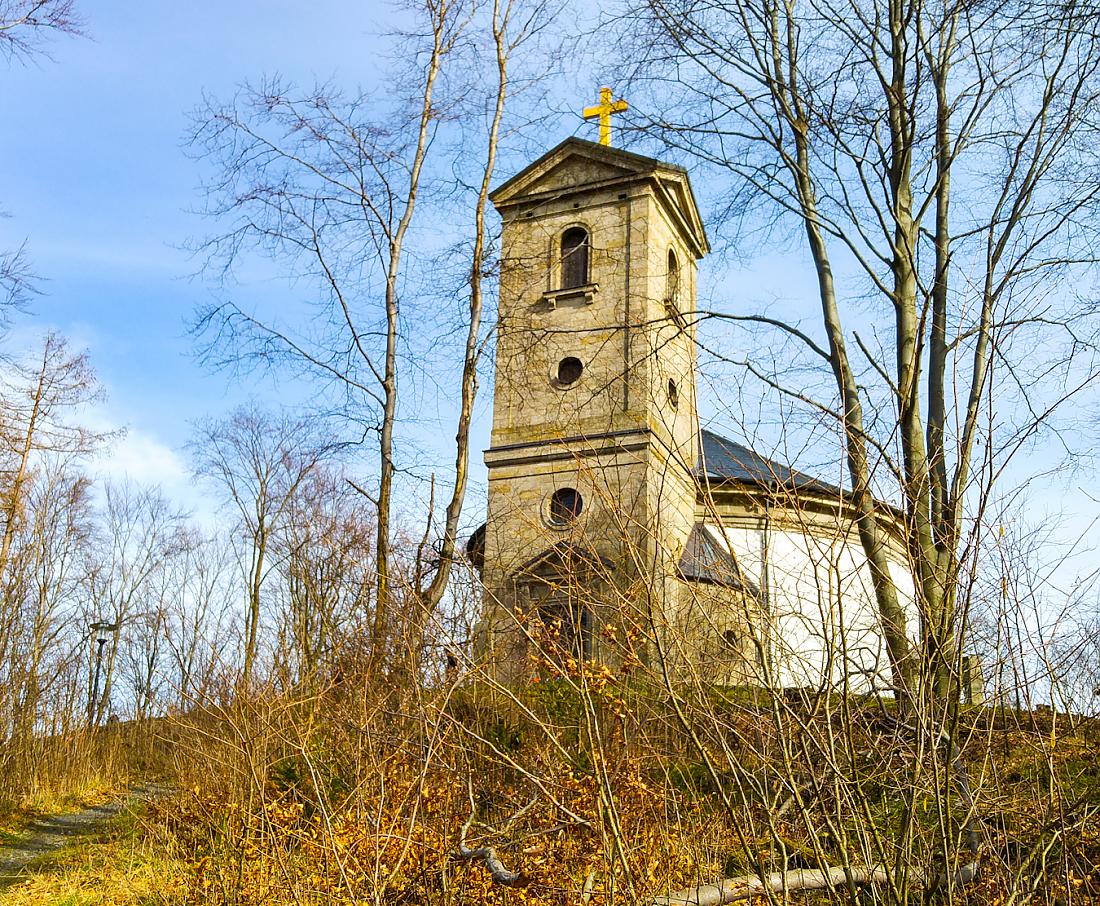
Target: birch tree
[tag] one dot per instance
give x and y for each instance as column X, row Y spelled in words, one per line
column 511, row 24
column 42, row 594
column 318, row 180
column 199, row 632
column 333, row 185
column 939, row 162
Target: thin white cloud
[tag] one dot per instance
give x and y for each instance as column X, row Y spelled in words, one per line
column 142, row 458
column 138, row 455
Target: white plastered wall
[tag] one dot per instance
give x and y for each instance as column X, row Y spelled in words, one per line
column 823, row 615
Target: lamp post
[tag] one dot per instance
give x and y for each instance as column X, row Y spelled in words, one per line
column 99, row 633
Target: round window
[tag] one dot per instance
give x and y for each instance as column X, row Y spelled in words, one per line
column 569, row 371
column 566, row 505
column 673, row 394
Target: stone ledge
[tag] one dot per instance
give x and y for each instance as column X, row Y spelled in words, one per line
column 587, row 293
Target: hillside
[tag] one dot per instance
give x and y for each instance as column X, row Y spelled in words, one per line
column 583, row 790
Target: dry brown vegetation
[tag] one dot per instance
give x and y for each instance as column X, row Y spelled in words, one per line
column 304, row 672
column 601, row 788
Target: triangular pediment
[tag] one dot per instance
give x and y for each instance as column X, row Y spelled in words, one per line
column 577, row 165
column 573, row 171
column 574, row 163
column 559, row 560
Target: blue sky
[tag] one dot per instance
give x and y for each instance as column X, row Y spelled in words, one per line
column 99, row 184
column 96, row 181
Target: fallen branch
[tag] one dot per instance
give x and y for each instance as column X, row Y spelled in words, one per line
column 748, row 886
column 497, row 871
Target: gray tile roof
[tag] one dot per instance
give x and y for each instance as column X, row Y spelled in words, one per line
column 726, row 460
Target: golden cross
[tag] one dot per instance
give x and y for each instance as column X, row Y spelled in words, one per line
column 602, row 111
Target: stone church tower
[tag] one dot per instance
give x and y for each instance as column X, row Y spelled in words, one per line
column 617, row 529
column 592, row 488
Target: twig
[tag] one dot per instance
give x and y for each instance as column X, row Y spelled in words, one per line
column 589, row 885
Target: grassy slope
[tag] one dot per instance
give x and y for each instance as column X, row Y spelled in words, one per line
column 122, row 862
column 217, row 843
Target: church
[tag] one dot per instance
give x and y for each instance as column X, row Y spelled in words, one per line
column 617, row 529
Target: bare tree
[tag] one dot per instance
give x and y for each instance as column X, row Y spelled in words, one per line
column 938, row 159
column 320, row 181
column 152, row 640
column 140, row 533
column 41, row 604
column 198, row 628
column 38, row 400
column 511, row 24
column 327, row 181
column 258, row 461
column 325, row 556
column 17, row 283
column 25, row 25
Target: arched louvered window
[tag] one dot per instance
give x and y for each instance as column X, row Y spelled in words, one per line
column 672, row 289
column 560, row 599
column 574, row 257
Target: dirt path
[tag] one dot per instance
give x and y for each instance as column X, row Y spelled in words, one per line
column 51, row 834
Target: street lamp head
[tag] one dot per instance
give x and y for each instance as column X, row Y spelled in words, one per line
column 101, row 628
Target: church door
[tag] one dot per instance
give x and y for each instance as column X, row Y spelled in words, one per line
column 561, row 600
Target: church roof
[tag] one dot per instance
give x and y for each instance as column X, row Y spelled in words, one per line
column 704, row 560
column 722, row 459
column 628, row 161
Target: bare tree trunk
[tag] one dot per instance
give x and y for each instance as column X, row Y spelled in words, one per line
column 255, row 587
column 504, row 44
column 891, row 615
column 944, row 538
column 442, row 13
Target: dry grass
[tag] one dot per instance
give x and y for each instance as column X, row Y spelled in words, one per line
column 587, row 786
column 74, row 797
column 120, row 868
column 54, row 773
column 345, row 798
